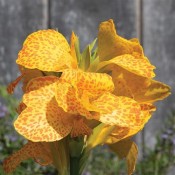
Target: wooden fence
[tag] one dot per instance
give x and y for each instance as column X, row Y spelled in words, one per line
column 153, row 21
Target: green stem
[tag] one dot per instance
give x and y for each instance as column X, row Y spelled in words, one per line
column 74, row 165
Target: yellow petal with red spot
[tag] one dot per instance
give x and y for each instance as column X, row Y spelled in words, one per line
column 120, row 133
column 40, row 90
column 67, row 97
column 37, row 151
column 121, row 111
column 142, row 89
column 94, row 83
column 46, row 50
column 28, row 75
column 137, row 66
column 111, row 45
column 80, row 128
column 156, row 91
column 43, row 122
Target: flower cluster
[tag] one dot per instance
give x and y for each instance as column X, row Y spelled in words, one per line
column 75, row 101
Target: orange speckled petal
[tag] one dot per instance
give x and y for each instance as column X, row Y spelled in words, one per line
column 80, row 128
column 68, row 99
column 40, row 90
column 144, row 90
column 137, row 66
column 20, row 108
column 37, row 151
column 93, row 82
column 41, row 82
column 43, row 122
column 121, row 111
column 111, row 45
column 46, row 50
column 29, row 74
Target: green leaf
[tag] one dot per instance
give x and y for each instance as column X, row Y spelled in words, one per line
column 77, row 50
column 86, row 56
column 126, row 149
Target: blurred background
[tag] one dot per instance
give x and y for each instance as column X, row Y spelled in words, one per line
column 152, row 21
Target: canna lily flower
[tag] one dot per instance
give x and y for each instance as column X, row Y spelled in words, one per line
column 101, row 96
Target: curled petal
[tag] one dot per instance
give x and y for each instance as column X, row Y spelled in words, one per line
column 92, row 82
column 80, row 128
column 111, row 45
column 12, row 85
column 46, row 50
column 40, row 90
column 120, row 133
column 67, row 97
column 44, row 122
column 137, row 66
column 121, row 111
column 142, row 89
column 29, row 75
column 37, row 151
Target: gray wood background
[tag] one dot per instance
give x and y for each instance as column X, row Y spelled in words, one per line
column 153, row 21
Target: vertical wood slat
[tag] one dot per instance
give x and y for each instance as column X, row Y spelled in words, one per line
column 83, row 17
column 17, row 19
column 159, row 44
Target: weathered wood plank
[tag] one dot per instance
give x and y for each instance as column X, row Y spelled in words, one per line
column 159, row 42
column 17, row 19
column 83, row 17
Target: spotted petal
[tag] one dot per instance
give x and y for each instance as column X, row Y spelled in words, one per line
column 121, row 111
column 140, row 88
column 46, row 50
column 137, row 66
column 120, row 133
column 94, row 83
column 38, row 151
column 67, row 98
column 42, row 120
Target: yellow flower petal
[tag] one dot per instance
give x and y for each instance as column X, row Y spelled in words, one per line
column 111, row 45
column 121, row 111
column 137, row 66
column 43, row 122
column 46, row 50
column 94, row 83
column 120, row 133
column 80, row 128
column 28, row 75
column 67, row 97
column 37, row 151
column 142, row 89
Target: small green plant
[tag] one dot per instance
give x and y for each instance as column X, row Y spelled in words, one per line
column 158, row 160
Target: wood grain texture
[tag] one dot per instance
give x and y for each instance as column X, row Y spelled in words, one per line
column 83, row 17
column 17, row 19
column 159, row 45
